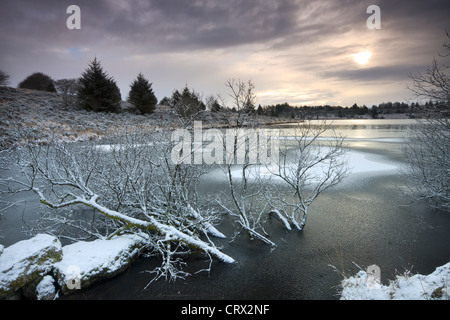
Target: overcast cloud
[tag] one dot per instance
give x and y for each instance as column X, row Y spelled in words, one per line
column 294, row 51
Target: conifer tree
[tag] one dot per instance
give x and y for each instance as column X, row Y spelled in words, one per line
column 141, row 95
column 186, row 103
column 98, row 92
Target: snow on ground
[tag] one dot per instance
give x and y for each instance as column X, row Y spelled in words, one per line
column 405, row 287
column 42, row 116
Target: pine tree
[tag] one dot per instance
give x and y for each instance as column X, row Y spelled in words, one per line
column 141, row 95
column 259, row 110
column 98, row 92
column 186, row 103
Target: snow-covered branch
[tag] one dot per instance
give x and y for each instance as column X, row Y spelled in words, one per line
column 126, row 183
column 242, row 145
column 308, row 166
column 427, row 148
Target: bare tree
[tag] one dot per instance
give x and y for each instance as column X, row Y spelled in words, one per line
column 434, row 84
column 295, row 176
column 308, row 166
column 427, row 150
column 240, row 103
column 4, row 78
column 68, row 88
column 246, row 187
column 240, row 142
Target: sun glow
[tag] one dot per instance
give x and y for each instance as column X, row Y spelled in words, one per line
column 362, row 57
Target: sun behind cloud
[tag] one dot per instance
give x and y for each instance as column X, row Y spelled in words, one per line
column 362, row 57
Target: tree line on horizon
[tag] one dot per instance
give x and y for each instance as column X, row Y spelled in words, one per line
column 96, row 91
column 285, row 110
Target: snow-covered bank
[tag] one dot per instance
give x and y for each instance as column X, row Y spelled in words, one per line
column 40, row 267
column 434, row 286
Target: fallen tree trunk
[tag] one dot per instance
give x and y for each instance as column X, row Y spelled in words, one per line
column 169, row 232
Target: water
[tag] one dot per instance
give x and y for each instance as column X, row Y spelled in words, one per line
column 364, row 221
column 369, row 135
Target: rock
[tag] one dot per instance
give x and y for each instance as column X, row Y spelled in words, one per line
column 46, row 290
column 27, row 261
column 85, row 263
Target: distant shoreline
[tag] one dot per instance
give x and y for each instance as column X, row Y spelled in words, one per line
column 42, row 116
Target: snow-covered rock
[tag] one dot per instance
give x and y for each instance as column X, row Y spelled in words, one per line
column 405, row 287
column 46, row 289
column 38, row 266
column 84, row 263
column 26, row 261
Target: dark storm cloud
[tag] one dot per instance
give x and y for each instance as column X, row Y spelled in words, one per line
column 150, row 25
column 411, row 16
column 179, row 25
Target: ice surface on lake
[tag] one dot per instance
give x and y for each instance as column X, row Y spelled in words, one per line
column 357, row 162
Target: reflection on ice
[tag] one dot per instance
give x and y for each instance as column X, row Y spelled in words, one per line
column 357, row 162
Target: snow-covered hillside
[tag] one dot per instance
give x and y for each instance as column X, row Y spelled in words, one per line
column 44, row 116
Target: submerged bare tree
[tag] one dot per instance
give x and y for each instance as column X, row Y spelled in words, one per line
column 241, row 143
column 292, row 178
column 126, row 184
column 308, row 166
column 428, row 148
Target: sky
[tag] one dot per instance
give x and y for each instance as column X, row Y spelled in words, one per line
column 296, row 51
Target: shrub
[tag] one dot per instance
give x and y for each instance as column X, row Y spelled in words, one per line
column 38, row 81
column 4, row 78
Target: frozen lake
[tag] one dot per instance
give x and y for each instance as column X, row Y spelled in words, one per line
column 364, row 221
